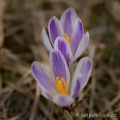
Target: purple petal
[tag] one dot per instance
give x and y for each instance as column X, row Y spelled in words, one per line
column 63, row 46
column 81, row 76
column 76, row 87
column 46, row 41
column 43, row 77
column 67, row 19
column 77, row 35
column 44, row 92
column 62, row 100
column 82, row 46
column 59, row 66
column 55, row 29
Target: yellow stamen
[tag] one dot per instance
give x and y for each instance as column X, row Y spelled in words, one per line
column 65, row 85
column 67, row 38
column 61, row 85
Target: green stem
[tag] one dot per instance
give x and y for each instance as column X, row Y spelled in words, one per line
column 67, row 115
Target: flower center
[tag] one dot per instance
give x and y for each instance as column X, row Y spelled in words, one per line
column 61, row 85
column 67, row 38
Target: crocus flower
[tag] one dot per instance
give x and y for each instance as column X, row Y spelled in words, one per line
column 57, row 87
column 66, row 35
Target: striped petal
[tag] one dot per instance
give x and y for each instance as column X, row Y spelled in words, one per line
column 44, row 92
column 43, row 77
column 77, row 35
column 81, row 76
column 82, row 46
column 59, row 66
column 55, row 29
column 76, row 85
column 62, row 100
column 63, row 46
column 67, row 19
column 46, row 40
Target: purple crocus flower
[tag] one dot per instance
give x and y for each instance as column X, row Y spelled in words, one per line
column 66, row 35
column 57, row 87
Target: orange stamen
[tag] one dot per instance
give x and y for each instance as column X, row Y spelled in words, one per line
column 61, row 85
column 67, row 38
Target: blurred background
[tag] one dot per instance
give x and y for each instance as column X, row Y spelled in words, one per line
column 21, row 22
